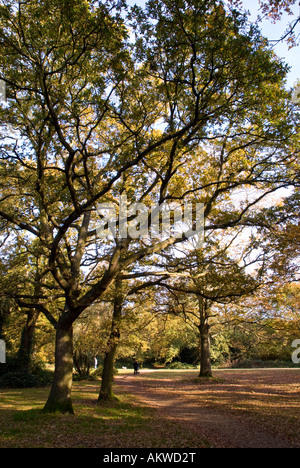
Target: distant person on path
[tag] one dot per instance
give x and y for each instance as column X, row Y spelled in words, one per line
column 136, row 367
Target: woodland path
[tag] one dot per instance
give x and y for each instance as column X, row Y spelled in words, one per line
column 239, row 409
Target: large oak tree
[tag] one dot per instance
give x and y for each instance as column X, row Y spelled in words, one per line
column 189, row 107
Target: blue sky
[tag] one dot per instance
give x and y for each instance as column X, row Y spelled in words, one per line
column 272, row 32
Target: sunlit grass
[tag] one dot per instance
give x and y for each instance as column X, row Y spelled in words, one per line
column 122, row 423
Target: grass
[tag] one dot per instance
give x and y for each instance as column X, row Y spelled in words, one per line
column 265, row 398
column 23, row 424
column 117, row 424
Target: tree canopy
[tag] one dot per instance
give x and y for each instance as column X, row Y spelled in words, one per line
column 181, row 101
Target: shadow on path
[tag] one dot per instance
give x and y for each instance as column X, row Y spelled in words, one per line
column 177, row 400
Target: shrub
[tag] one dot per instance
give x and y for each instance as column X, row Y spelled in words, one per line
column 12, row 375
column 180, row 365
column 83, row 363
column 258, row 363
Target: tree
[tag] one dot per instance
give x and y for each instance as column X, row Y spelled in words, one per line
column 274, row 9
column 149, row 333
column 198, row 287
column 106, row 392
column 91, row 115
column 15, row 267
column 121, row 296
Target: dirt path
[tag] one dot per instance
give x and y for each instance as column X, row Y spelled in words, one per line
column 245, row 409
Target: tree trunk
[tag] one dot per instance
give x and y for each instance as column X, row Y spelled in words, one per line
column 27, row 339
column 106, row 392
column 205, row 367
column 205, row 359
column 59, row 399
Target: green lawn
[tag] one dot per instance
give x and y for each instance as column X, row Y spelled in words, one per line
column 120, row 424
column 258, row 400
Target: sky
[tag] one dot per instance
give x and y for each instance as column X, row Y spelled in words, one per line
column 276, row 31
column 272, row 32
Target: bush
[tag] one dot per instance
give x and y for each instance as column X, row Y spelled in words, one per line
column 180, row 365
column 93, row 375
column 189, row 355
column 258, row 363
column 83, row 363
column 12, row 375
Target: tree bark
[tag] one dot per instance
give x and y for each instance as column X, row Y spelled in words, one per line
column 59, row 399
column 205, row 360
column 106, row 389
column 106, row 392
